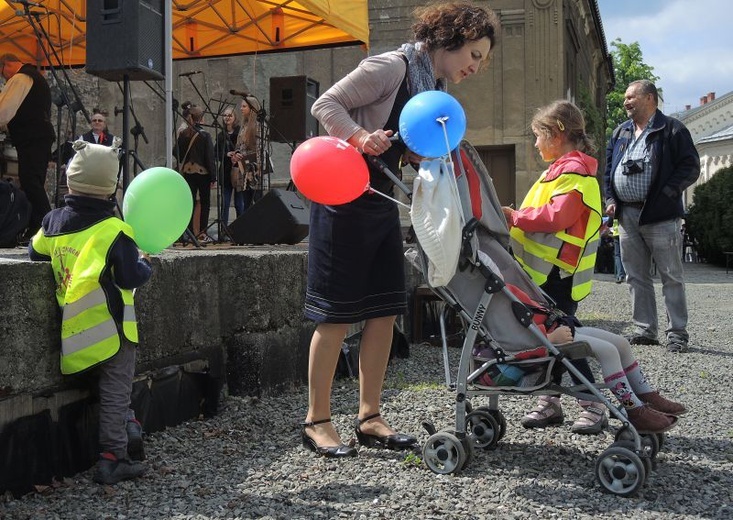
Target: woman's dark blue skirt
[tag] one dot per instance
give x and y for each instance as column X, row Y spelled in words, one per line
column 356, row 265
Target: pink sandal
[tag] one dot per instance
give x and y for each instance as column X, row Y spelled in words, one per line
column 547, row 412
column 592, row 420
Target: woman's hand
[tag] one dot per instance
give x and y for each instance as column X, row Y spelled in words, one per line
column 561, row 335
column 374, row 143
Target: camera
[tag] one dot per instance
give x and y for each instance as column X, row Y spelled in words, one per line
column 632, row 167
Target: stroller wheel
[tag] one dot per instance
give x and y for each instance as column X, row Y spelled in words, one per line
column 500, row 419
column 467, row 445
column 482, row 429
column 647, row 461
column 649, row 441
column 620, row 471
column 443, row 453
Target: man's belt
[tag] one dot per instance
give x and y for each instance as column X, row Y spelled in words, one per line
column 637, row 205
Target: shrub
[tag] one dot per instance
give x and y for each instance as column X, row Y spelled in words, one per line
column 710, row 217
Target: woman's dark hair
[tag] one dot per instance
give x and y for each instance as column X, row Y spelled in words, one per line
column 450, row 25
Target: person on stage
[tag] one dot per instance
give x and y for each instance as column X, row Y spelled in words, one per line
column 25, row 113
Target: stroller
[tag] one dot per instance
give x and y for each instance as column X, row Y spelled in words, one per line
column 500, row 353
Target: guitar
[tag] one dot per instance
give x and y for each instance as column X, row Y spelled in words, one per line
column 245, row 173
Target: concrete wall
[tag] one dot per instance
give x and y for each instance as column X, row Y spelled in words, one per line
column 195, row 301
column 243, row 305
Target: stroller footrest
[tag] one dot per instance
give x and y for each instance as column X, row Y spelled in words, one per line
column 575, row 350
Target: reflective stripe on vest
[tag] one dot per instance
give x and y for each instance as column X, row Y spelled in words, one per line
column 89, row 334
column 539, row 252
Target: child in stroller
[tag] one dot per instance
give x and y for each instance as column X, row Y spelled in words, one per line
column 647, row 410
column 479, row 283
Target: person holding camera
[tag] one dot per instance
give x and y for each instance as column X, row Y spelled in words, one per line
column 650, row 161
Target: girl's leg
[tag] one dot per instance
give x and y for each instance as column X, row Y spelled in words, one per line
column 238, row 202
column 205, row 196
column 609, row 357
column 226, row 200
column 647, row 411
column 324, row 352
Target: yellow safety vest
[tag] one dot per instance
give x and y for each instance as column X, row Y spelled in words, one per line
column 539, row 252
column 89, row 334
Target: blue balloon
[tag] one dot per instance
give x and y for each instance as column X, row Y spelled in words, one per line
column 421, row 128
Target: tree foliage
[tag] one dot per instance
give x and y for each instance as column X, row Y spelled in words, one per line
column 628, row 66
column 709, row 220
column 593, row 117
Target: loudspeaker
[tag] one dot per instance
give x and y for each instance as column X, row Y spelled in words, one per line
column 280, row 217
column 125, row 38
column 291, row 99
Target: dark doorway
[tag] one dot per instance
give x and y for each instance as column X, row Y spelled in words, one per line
column 499, row 160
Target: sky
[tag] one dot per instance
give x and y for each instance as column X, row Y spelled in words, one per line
column 689, row 44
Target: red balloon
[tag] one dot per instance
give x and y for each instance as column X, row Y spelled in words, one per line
column 329, row 171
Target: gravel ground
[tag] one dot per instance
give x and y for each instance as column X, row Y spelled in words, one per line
column 247, row 462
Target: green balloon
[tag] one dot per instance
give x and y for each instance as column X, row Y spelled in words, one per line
column 158, row 206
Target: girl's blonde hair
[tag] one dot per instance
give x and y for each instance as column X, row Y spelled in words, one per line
column 565, row 119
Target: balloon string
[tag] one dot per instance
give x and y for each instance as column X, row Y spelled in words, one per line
column 372, row 190
column 442, row 121
column 450, row 165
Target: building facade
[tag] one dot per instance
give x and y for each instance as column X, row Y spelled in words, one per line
column 711, row 126
column 548, row 49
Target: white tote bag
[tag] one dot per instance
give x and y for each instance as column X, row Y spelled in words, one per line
column 437, row 219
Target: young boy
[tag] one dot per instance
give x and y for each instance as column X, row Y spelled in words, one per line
column 96, row 265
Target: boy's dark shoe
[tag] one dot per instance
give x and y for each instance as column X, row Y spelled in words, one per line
column 111, row 470
column 135, row 448
column 638, row 339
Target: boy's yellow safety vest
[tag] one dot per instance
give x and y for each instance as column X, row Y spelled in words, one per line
column 89, row 334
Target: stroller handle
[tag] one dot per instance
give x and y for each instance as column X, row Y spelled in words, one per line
column 380, row 165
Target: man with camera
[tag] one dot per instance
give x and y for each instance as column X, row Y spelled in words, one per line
column 650, row 161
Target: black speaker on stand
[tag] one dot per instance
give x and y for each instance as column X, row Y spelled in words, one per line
column 125, row 39
column 291, row 99
column 279, row 217
column 125, row 42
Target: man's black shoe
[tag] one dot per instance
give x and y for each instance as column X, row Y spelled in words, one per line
column 638, row 339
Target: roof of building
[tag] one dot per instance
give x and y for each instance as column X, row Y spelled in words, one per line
column 687, row 114
column 721, row 135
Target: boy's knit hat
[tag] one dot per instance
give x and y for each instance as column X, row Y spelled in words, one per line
column 93, row 170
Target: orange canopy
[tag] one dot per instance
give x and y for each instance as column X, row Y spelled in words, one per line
column 201, row 28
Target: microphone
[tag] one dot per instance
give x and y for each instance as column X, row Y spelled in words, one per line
column 23, row 12
column 239, row 93
column 191, row 73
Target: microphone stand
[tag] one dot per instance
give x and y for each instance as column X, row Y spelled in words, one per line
column 137, row 130
column 265, row 122
column 221, row 230
column 261, row 117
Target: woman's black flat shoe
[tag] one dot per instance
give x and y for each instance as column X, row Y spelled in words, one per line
column 331, row 452
column 396, row 441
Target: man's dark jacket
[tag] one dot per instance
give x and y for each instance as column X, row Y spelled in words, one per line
column 675, row 166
